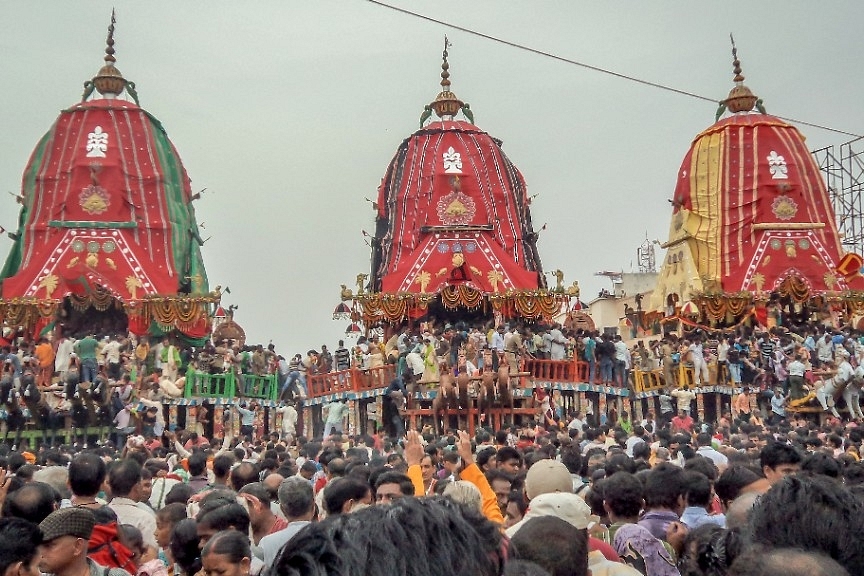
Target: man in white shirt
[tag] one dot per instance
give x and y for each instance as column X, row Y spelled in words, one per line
column 557, row 343
column 125, row 482
column 778, row 406
column 683, row 398
column 111, row 356
column 336, row 411
column 289, row 420
column 703, row 440
column 722, row 357
column 697, row 357
column 497, row 345
column 65, row 351
column 622, row 363
column 825, row 349
column 576, row 423
column 796, row 369
column 635, row 438
column 297, row 501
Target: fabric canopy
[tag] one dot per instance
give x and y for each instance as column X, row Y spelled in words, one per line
column 751, row 211
column 105, row 201
column 451, row 182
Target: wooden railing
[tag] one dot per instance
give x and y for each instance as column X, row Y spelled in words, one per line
column 262, row 387
column 647, row 380
column 351, row 380
column 206, row 385
column 228, row 385
column 557, row 370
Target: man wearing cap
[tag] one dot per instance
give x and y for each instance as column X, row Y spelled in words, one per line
column 66, row 534
column 549, row 489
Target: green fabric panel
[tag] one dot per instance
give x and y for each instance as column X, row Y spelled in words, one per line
column 13, row 261
column 181, row 215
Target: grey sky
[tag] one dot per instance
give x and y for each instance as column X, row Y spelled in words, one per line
column 289, row 112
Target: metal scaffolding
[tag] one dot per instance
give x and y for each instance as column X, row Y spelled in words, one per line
column 844, row 175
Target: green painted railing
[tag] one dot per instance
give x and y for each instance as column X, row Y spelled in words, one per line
column 206, row 385
column 262, row 387
column 228, row 385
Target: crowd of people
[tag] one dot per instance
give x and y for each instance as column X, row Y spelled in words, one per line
column 757, row 491
column 62, row 384
column 636, row 498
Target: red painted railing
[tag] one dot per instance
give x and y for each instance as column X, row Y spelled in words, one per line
column 351, row 380
column 355, row 380
column 557, row 370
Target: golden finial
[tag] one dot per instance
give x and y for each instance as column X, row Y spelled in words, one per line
column 736, row 64
column 446, row 104
column 109, row 82
column 109, row 50
column 740, row 98
column 445, row 67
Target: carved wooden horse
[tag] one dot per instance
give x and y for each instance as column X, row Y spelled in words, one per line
column 101, row 415
column 495, row 392
column 452, row 395
column 15, row 419
column 37, row 406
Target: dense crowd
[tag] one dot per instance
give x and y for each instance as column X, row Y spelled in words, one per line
column 636, row 498
column 758, row 491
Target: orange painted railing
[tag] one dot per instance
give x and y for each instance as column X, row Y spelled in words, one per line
column 557, row 370
column 351, row 380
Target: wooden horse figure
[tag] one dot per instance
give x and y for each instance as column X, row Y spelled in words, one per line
column 89, row 417
column 78, row 410
column 452, row 395
column 101, row 403
column 36, row 405
column 15, row 419
column 495, row 392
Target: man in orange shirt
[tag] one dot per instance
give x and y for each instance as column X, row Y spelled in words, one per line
column 44, row 352
column 741, row 409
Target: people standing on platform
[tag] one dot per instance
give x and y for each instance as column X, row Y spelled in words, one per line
column 622, row 363
column 605, row 354
column 496, row 344
column 513, row 349
column 589, row 356
column 697, row 358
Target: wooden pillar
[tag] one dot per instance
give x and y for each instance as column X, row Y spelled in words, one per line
column 172, row 417
column 190, row 415
column 235, row 419
column 353, row 417
column 700, row 406
column 258, row 429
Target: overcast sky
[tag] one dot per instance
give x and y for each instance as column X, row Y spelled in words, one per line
column 289, row 112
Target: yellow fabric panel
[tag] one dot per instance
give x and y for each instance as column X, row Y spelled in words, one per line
column 706, row 221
